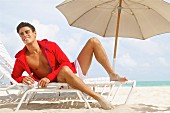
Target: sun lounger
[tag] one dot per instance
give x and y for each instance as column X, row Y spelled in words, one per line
column 104, row 83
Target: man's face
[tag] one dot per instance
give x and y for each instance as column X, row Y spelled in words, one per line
column 27, row 35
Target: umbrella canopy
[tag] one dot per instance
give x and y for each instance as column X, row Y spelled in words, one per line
column 138, row 19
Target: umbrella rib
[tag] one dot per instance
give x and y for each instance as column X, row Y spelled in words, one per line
column 88, row 11
column 135, row 19
column 150, row 8
column 109, row 20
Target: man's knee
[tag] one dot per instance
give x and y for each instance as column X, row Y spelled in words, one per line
column 94, row 40
column 63, row 74
column 65, row 70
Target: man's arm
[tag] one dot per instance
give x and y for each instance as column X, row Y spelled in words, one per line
column 17, row 71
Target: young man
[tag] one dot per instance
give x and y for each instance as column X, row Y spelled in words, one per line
column 45, row 62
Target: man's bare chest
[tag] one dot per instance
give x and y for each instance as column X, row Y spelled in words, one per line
column 37, row 62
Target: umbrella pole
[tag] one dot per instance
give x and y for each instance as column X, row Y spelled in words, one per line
column 117, row 33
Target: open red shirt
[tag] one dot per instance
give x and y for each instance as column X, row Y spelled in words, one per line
column 55, row 56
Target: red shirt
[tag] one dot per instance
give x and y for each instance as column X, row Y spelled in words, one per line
column 55, row 57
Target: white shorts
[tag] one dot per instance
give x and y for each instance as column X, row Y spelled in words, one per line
column 79, row 71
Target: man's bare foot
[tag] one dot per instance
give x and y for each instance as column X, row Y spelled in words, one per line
column 116, row 77
column 105, row 104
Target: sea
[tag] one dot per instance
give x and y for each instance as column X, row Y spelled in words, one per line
column 152, row 83
column 138, row 83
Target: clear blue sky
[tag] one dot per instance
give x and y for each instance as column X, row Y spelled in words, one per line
column 137, row 59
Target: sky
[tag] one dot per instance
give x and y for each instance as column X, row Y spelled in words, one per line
column 141, row 60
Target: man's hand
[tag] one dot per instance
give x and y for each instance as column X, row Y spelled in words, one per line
column 28, row 80
column 43, row 82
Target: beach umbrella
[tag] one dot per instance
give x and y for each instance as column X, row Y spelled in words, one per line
column 138, row 19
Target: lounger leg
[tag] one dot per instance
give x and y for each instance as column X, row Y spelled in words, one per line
column 115, row 93
column 79, row 95
column 110, row 91
column 128, row 95
column 85, row 100
column 21, row 101
column 7, row 92
column 133, row 85
column 103, row 90
column 32, row 94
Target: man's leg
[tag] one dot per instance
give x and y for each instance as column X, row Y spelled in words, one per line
column 67, row 76
column 93, row 46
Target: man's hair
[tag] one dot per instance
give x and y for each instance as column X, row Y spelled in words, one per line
column 25, row 24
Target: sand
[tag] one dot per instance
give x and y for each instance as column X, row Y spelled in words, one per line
column 142, row 100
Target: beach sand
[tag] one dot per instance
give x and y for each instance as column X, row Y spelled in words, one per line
column 142, row 100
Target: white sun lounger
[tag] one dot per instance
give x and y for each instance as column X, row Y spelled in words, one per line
column 6, row 66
